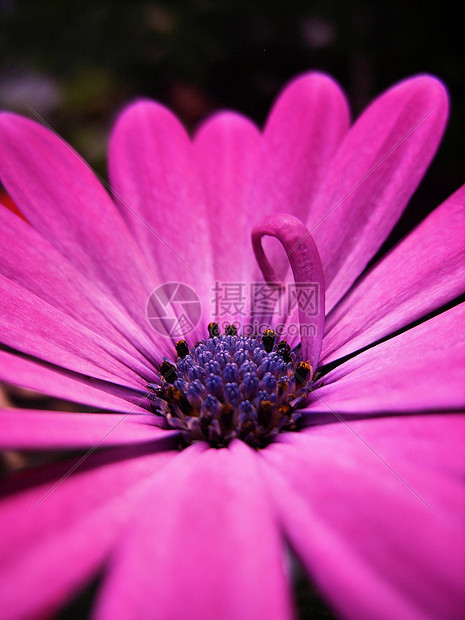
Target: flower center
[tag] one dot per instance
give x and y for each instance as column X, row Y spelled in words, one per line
column 231, row 386
column 250, row 388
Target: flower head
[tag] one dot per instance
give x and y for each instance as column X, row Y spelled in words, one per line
column 214, row 449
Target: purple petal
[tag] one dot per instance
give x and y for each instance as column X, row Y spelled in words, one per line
column 424, row 272
column 22, row 429
column 304, row 129
column 47, row 554
column 372, row 177
column 226, row 148
column 63, row 200
column 80, row 389
column 375, row 513
column 157, row 187
column 203, row 545
column 420, row 369
column 306, row 125
column 34, row 327
column 29, row 259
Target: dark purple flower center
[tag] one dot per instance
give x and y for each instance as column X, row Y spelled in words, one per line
column 230, row 386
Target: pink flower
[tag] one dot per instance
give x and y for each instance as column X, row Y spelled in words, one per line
column 372, row 505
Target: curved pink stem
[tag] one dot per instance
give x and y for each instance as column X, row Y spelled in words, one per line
column 308, row 276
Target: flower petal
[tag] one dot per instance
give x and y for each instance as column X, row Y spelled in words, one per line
column 47, row 554
column 23, row 429
column 34, row 327
column 158, row 189
column 203, row 545
column 31, row 261
column 373, row 175
column 66, row 385
column 226, row 148
column 375, row 513
column 424, row 272
column 63, row 200
column 422, row 369
column 304, row 129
